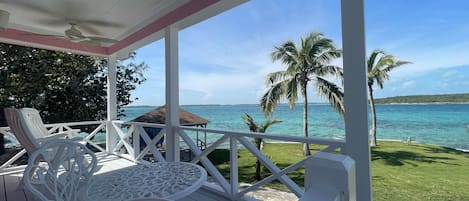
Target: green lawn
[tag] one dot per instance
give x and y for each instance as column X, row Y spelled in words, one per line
column 400, row 171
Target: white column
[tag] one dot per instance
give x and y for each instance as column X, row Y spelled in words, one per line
column 172, row 93
column 355, row 98
column 111, row 103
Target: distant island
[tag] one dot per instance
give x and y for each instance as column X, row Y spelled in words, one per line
column 441, row 98
column 415, row 99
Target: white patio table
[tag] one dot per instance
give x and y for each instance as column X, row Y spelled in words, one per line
column 161, row 180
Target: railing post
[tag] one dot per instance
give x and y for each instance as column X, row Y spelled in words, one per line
column 234, row 166
column 329, row 176
column 136, row 140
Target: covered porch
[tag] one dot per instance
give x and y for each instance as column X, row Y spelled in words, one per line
column 163, row 20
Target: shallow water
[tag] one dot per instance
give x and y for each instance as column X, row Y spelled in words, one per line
column 441, row 124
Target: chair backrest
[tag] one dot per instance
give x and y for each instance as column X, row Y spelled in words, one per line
column 60, row 170
column 32, row 120
column 15, row 122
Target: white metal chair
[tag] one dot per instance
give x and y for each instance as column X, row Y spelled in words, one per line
column 28, row 128
column 31, row 133
column 14, row 120
column 60, row 170
column 33, row 121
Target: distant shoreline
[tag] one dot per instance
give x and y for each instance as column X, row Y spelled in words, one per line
column 422, row 103
column 426, row 103
column 462, row 98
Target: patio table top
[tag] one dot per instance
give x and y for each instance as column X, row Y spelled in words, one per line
column 166, row 180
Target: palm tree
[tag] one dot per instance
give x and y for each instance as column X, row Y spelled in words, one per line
column 259, row 128
column 310, row 61
column 379, row 64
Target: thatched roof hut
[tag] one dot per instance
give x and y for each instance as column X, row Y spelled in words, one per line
column 158, row 116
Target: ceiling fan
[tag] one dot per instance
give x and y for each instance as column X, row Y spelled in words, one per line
column 73, row 34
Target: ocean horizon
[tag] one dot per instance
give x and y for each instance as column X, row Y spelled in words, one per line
column 440, row 124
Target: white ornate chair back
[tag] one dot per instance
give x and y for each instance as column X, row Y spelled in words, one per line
column 60, row 170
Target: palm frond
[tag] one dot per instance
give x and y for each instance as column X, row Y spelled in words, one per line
column 272, row 97
column 380, row 78
column 324, row 51
column 327, row 55
column 252, row 125
column 311, row 60
column 255, row 127
column 267, row 123
column 286, row 53
column 384, row 61
column 378, row 70
column 291, row 90
column 395, row 65
column 372, row 59
column 332, row 93
column 275, row 77
column 324, row 70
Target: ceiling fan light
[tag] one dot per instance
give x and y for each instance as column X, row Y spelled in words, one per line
column 4, row 17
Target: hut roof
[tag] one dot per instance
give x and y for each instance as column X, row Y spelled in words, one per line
column 158, row 116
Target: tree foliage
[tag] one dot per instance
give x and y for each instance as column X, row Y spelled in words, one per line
column 379, row 64
column 259, row 128
column 64, row 87
column 439, row 98
column 306, row 62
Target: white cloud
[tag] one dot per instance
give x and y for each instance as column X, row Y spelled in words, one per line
column 408, row 84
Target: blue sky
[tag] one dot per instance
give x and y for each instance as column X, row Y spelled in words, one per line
column 225, row 59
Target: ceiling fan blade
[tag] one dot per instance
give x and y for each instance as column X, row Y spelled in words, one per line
column 74, row 34
column 45, row 35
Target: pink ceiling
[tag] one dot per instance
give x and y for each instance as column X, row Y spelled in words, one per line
column 132, row 24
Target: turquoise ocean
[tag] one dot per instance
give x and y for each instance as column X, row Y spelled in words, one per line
column 440, row 124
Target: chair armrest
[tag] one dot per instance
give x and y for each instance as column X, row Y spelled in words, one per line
column 69, row 132
column 62, row 135
column 53, row 136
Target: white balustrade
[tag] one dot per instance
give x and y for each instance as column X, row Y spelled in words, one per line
column 234, row 139
column 59, row 128
column 130, row 135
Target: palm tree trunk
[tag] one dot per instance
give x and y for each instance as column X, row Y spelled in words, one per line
column 306, row 150
column 258, row 162
column 373, row 117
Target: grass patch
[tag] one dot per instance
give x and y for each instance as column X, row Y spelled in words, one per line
column 419, row 172
column 400, row 171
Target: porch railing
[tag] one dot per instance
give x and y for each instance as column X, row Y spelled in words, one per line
column 129, row 136
column 235, row 141
column 67, row 128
